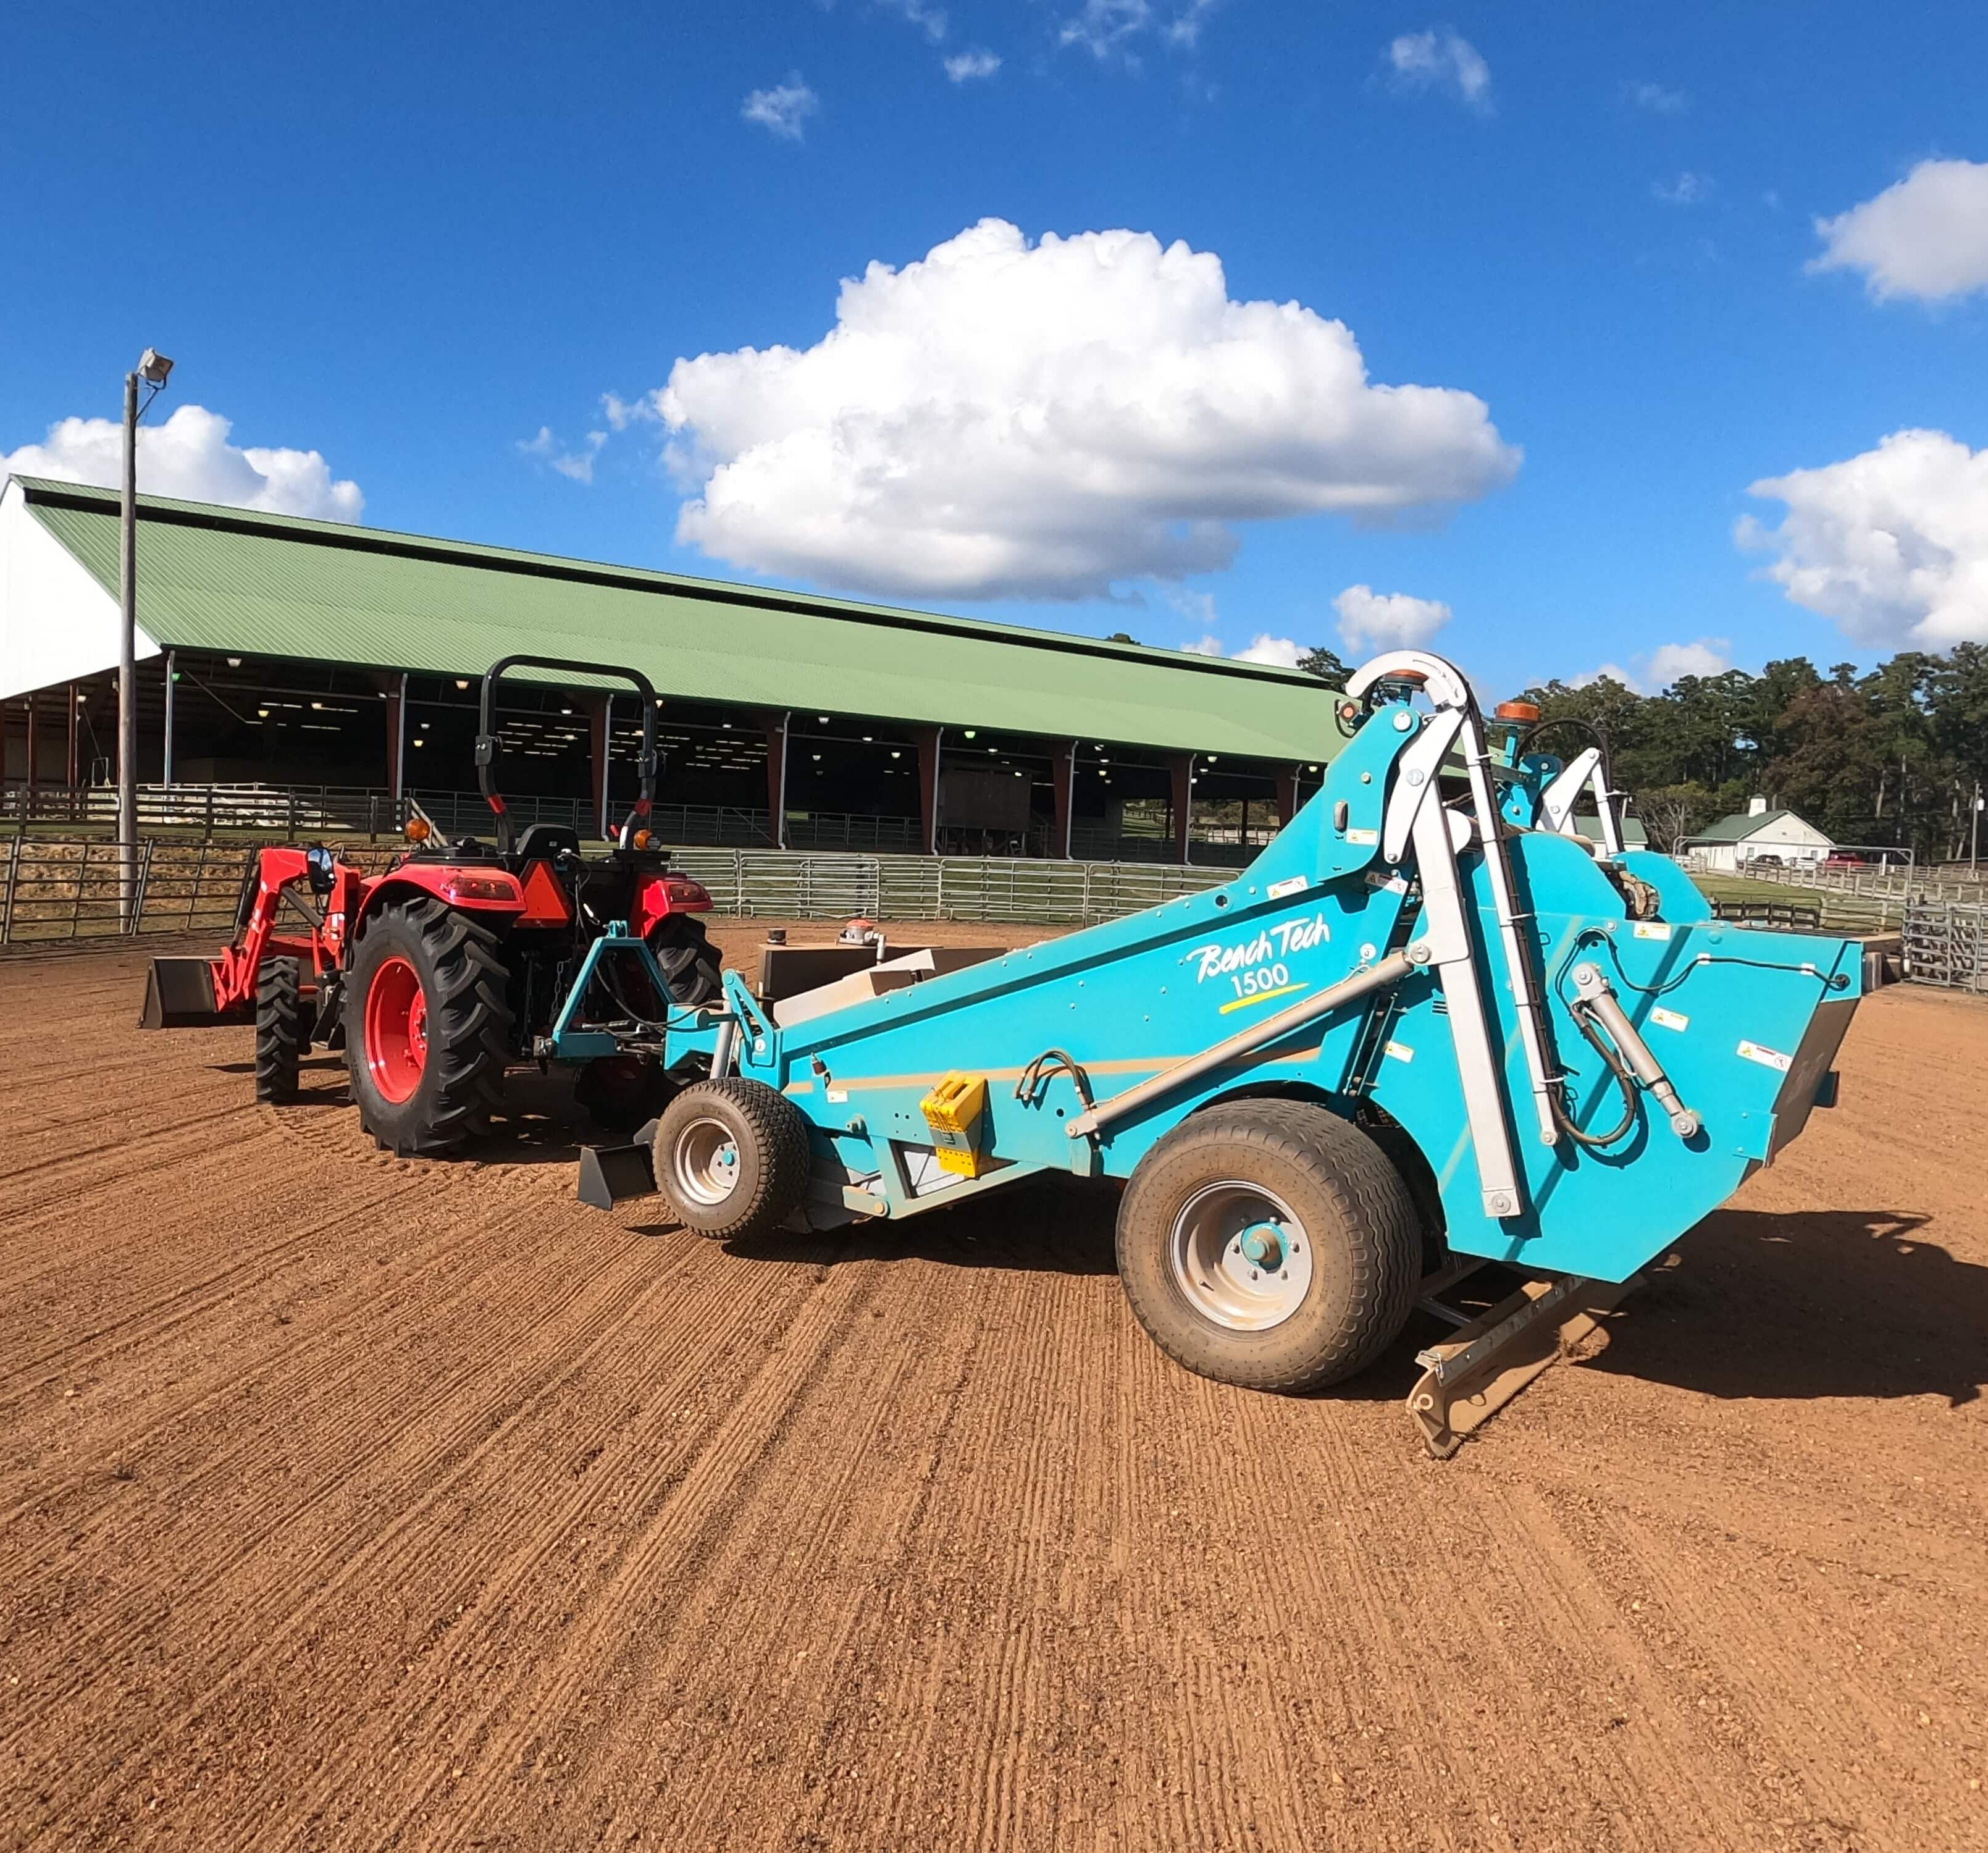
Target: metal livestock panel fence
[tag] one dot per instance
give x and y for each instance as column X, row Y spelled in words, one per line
column 1946, row 943
column 794, row 885
column 54, row 889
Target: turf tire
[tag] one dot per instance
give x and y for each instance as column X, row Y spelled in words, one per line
column 463, row 987
column 769, row 1135
column 282, row 1030
column 1365, row 1235
column 689, row 961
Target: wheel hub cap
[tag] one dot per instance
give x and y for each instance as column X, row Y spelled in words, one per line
column 704, row 1165
column 1239, row 1257
column 397, row 1029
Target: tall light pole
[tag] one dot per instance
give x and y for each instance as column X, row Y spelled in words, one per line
column 152, row 370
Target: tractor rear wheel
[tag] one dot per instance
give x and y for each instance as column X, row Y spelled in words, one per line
column 1270, row 1244
column 427, row 1027
column 731, row 1157
column 690, row 961
column 282, row 1029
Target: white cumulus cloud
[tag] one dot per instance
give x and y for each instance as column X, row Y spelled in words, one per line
column 930, row 20
column 1669, row 663
column 1284, row 651
column 784, row 108
column 1005, row 420
column 1658, row 99
column 1109, row 28
column 1926, row 236
column 188, row 456
column 1688, row 189
column 577, row 464
column 1440, row 59
column 1210, row 645
column 1893, row 544
column 1104, row 25
column 965, row 67
column 1388, row 621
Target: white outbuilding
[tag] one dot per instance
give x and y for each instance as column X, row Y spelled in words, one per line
column 1759, row 836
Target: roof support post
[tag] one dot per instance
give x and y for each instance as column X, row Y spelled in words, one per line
column 395, row 689
column 1181, row 765
column 1064, row 769
column 34, row 754
column 776, row 721
column 165, row 755
column 73, row 767
column 930, row 739
column 1286, row 778
column 601, row 725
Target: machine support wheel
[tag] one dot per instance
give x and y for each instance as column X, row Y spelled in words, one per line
column 732, row 1158
column 689, row 961
column 1270, row 1244
column 282, row 1030
column 427, row 1027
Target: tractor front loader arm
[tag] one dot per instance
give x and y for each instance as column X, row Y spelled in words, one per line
column 193, row 993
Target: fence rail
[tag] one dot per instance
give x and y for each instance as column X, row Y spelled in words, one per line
column 1946, row 944
column 291, row 812
column 288, row 811
column 62, row 889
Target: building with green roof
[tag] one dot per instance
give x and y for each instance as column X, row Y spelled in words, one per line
column 279, row 651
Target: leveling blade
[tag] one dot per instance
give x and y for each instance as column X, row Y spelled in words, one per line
column 610, row 1174
column 1466, row 1380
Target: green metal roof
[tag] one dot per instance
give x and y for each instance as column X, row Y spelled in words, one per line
column 241, row 583
column 1739, row 826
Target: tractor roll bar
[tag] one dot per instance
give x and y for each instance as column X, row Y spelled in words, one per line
column 486, row 732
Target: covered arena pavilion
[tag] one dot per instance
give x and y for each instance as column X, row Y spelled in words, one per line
column 285, row 655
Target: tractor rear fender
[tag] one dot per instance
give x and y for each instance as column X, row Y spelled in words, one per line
column 494, row 895
column 656, row 899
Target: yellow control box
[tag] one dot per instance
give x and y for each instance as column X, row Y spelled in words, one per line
column 953, row 1110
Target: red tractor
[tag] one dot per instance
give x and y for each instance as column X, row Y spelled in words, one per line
column 462, row 960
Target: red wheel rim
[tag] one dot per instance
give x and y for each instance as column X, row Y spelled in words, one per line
column 397, row 1029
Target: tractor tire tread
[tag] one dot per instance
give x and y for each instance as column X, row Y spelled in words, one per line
column 1359, row 1182
column 470, row 1033
column 689, row 962
column 281, row 1030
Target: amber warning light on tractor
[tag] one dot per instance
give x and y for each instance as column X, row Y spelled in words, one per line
column 1525, row 713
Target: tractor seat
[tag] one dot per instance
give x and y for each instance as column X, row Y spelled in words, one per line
column 542, row 842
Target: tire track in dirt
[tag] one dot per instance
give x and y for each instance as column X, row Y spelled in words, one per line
column 689, row 1527
column 394, row 1555
column 539, row 1535
column 605, row 1291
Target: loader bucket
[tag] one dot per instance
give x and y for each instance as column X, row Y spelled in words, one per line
column 610, row 1174
column 179, row 995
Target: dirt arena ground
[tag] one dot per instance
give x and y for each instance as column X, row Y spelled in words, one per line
column 352, row 1503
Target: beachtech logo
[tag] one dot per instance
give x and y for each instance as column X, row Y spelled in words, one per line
column 1255, row 967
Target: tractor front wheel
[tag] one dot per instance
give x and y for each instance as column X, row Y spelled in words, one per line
column 731, row 1157
column 427, row 1027
column 1270, row 1244
column 282, row 1030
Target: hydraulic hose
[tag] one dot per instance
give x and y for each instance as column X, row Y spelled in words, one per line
column 1624, row 1080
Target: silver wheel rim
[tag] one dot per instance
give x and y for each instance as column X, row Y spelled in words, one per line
column 704, row 1162
column 1239, row 1257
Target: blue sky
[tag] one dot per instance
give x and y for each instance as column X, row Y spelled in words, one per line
column 411, row 239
